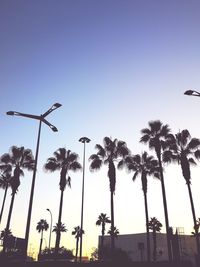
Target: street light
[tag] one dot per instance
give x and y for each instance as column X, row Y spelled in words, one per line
column 41, row 119
column 192, row 93
column 50, row 229
column 82, row 140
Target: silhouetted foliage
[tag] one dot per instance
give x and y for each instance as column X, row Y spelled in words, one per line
column 110, row 152
column 77, row 232
column 64, row 161
column 42, row 226
column 155, row 226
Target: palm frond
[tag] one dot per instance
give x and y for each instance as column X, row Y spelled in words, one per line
column 193, row 144
column 101, row 151
column 192, row 161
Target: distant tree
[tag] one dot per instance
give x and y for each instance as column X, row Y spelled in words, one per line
column 18, row 159
column 64, row 161
column 77, row 232
column 5, row 177
column 102, row 220
column 156, row 136
column 114, row 232
column 143, row 165
column 111, row 152
column 42, row 226
column 184, row 150
column 155, row 226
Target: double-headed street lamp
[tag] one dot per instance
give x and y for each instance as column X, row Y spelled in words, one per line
column 50, row 229
column 83, row 140
column 192, row 93
column 41, row 119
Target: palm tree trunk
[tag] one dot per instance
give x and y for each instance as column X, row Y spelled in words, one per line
column 147, row 227
column 77, row 241
column 59, row 223
column 194, row 218
column 41, row 242
column 165, row 208
column 154, row 246
column 8, row 220
column 112, row 223
column 4, row 199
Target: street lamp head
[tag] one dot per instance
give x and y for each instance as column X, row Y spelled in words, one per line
column 10, row 113
column 48, row 209
column 84, row 140
column 189, row 92
column 53, row 128
column 57, row 105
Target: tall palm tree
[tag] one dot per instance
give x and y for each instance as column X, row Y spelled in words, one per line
column 4, row 184
column 184, row 150
column 108, row 154
column 102, row 220
column 64, row 161
column 18, row 159
column 144, row 165
column 77, row 232
column 155, row 226
column 42, row 226
column 156, row 136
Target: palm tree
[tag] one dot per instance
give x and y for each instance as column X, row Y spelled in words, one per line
column 58, row 229
column 42, row 226
column 77, row 232
column 108, row 154
column 19, row 158
column 114, row 232
column 64, row 161
column 184, row 150
column 156, row 136
column 4, row 184
column 144, row 165
column 102, row 220
column 155, row 226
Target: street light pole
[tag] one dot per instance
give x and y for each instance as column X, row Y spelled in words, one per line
column 41, row 119
column 50, row 229
column 83, row 140
column 194, row 93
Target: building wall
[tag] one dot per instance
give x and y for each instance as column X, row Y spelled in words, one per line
column 130, row 244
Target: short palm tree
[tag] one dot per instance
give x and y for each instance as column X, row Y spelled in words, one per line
column 64, row 161
column 102, row 220
column 42, row 226
column 155, row 226
column 184, row 150
column 58, row 229
column 77, row 232
column 18, row 159
column 114, row 232
column 4, row 184
column 108, row 154
column 143, row 165
column 156, row 136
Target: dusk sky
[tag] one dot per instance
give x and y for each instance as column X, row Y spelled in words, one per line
column 114, row 65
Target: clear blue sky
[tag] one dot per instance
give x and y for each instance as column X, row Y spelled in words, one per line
column 113, row 65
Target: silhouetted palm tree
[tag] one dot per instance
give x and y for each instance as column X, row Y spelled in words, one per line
column 4, row 184
column 19, row 158
column 42, row 226
column 144, row 165
column 102, row 220
column 77, row 233
column 108, row 154
column 155, row 226
column 65, row 161
column 114, row 233
column 184, row 150
column 156, row 136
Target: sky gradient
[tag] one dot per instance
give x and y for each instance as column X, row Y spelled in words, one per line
column 113, row 65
